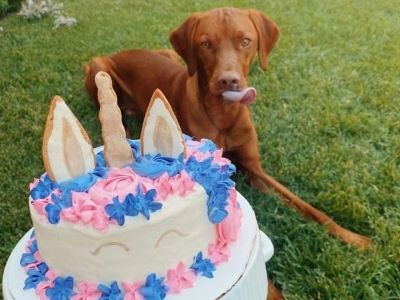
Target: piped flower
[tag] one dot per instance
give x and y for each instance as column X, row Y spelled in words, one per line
column 41, row 188
column 87, row 291
column 182, row 184
column 179, row 279
column 132, row 291
column 203, row 266
column 119, row 182
column 110, row 293
column 44, row 285
column 116, row 211
column 218, row 252
column 143, row 203
column 228, row 229
column 163, row 186
column 62, row 289
column 154, row 166
column 36, row 276
column 83, row 209
column 154, row 288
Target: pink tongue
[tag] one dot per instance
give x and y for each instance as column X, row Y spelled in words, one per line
column 245, row 96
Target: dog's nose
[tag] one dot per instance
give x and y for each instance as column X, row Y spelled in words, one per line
column 229, row 80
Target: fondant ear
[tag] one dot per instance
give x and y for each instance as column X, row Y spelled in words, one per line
column 161, row 133
column 182, row 41
column 117, row 151
column 67, row 150
column 268, row 34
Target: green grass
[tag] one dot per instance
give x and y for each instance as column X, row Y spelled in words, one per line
column 327, row 115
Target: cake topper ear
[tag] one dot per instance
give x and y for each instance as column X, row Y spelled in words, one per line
column 117, row 151
column 161, row 133
column 67, row 150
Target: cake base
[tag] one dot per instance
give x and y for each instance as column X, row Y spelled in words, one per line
column 249, row 253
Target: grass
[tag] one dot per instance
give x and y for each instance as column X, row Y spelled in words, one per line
column 327, row 115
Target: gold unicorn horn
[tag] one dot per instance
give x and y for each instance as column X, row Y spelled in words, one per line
column 117, row 152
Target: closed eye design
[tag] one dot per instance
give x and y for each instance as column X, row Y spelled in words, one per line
column 99, row 248
column 168, row 232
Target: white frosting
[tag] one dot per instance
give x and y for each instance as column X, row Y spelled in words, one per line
column 132, row 251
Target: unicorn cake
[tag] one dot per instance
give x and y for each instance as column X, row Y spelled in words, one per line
column 134, row 219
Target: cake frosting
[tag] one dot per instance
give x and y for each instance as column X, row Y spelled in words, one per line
column 177, row 240
column 144, row 230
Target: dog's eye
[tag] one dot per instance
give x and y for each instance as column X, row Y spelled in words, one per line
column 205, row 45
column 245, row 42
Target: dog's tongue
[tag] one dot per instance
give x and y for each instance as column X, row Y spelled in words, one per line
column 245, row 96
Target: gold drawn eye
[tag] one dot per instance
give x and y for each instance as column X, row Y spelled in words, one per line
column 205, row 45
column 168, row 232
column 245, row 42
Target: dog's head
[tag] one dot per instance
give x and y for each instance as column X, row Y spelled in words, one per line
column 220, row 45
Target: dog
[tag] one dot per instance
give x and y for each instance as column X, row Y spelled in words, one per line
column 210, row 95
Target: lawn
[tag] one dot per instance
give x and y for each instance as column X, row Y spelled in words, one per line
column 327, row 116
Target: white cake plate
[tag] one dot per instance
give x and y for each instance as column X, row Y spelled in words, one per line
column 249, row 253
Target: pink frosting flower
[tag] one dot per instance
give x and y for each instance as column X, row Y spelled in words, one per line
column 87, row 291
column 33, row 184
column 163, row 186
column 218, row 159
column 132, row 291
column 83, row 209
column 218, row 252
column 228, row 229
column 44, row 285
column 100, row 220
column 179, row 279
column 182, row 184
column 120, row 182
column 40, row 204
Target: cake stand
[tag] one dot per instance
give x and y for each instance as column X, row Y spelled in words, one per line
column 244, row 276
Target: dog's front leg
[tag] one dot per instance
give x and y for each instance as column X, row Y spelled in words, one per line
column 248, row 159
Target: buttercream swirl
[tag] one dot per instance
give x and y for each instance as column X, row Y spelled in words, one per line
column 84, row 199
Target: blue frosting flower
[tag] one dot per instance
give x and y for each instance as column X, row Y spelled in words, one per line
column 53, row 213
column 208, row 146
column 43, row 189
column 33, row 247
column 110, row 293
column 100, row 161
column 27, row 259
column 154, row 166
column 83, row 182
column 216, row 181
column 187, row 137
column 144, row 203
column 35, row 276
column 195, row 167
column 58, row 203
column 135, row 146
column 203, row 266
column 131, row 205
column 62, row 289
column 116, row 211
column 154, row 288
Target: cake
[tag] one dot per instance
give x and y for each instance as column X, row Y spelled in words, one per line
column 135, row 219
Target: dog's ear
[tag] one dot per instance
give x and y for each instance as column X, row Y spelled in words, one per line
column 182, row 41
column 268, row 34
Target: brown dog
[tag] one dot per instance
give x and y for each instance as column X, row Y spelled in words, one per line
column 209, row 97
